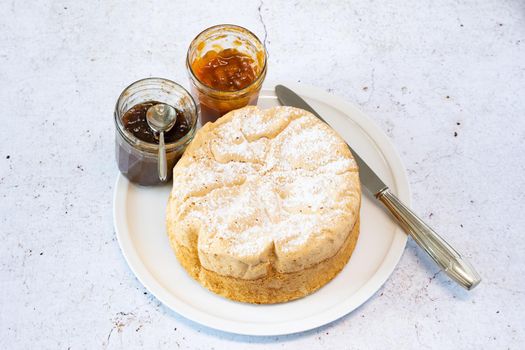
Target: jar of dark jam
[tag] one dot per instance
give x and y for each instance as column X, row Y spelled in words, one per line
column 227, row 66
column 137, row 145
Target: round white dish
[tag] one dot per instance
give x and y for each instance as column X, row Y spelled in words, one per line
column 139, row 218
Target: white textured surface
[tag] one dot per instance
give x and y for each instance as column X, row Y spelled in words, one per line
column 445, row 80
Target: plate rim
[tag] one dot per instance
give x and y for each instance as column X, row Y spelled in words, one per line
column 332, row 314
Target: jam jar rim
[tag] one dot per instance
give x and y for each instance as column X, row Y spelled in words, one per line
column 148, row 147
column 246, row 89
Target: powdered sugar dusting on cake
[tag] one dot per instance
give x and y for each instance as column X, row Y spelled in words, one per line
column 277, row 178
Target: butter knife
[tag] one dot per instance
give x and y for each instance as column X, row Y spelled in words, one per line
column 448, row 259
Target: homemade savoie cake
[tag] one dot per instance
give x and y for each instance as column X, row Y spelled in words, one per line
column 265, row 205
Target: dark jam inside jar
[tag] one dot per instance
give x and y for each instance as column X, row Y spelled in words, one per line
column 139, row 166
column 134, row 121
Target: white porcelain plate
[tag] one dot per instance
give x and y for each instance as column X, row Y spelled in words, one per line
column 139, row 222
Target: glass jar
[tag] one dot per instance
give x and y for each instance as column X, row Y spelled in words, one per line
column 138, row 160
column 215, row 102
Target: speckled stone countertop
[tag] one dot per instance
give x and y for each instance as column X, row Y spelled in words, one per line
column 445, row 80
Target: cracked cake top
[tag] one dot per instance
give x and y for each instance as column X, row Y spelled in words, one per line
column 264, row 187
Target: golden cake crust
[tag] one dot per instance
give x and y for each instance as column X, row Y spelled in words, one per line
column 265, row 205
column 275, row 287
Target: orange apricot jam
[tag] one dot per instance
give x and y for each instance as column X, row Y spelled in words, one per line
column 226, row 70
column 226, row 79
column 226, row 65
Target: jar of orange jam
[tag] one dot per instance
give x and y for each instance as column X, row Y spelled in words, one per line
column 227, row 66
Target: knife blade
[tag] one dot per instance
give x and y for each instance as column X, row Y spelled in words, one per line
column 447, row 258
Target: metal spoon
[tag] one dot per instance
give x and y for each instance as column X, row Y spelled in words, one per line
column 161, row 118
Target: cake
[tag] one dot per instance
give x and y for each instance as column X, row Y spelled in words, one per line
column 265, row 205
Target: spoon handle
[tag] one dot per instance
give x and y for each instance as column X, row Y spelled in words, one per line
column 163, row 166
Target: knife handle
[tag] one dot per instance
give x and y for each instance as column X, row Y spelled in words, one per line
column 459, row 269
